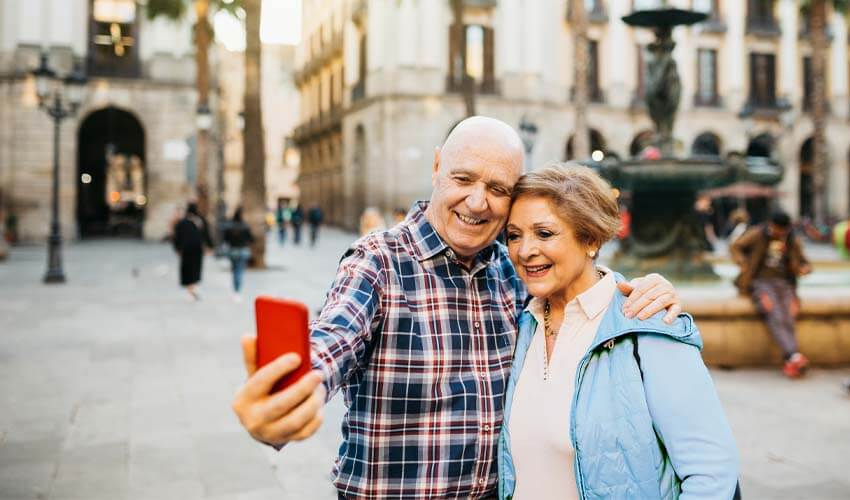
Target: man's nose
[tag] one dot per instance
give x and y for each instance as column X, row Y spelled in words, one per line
column 477, row 199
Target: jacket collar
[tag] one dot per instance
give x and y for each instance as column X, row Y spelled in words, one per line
column 615, row 324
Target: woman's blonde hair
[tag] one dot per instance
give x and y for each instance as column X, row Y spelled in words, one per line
column 579, row 196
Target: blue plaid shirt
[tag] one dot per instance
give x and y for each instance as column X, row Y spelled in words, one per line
column 421, row 347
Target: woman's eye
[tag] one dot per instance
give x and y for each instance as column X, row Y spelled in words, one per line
column 462, row 179
column 544, row 234
column 512, row 236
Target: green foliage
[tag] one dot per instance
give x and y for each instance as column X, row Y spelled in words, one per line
column 176, row 9
column 171, row 9
column 841, row 6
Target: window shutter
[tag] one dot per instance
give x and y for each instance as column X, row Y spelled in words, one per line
column 489, row 56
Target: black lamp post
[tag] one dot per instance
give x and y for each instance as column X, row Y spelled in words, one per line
column 60, row 98
column 528, row 134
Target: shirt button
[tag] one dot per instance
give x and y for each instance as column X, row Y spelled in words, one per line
column 477, row 324
column 482, row 374
column 487, row 427
column 481, row 482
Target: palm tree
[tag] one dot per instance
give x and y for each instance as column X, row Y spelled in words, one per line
column 202, row 34
column 253, row 143
column 578, row 24
column 458, row 61
column 817, row 13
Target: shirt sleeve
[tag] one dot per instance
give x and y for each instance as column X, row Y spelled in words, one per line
column 341, row 335
column 688, row 417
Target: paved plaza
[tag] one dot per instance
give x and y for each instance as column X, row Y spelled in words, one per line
column 114, row 386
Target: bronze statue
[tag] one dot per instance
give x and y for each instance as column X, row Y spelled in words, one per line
column 663, row 88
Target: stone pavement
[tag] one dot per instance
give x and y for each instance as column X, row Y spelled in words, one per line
column 114, row 386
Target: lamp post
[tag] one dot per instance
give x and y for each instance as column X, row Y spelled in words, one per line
column 528, row 134
column 60, row 99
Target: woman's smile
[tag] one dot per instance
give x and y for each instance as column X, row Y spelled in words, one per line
column 537, row 271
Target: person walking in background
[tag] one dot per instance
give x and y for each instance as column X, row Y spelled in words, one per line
column 771, row 260
column 398, row 215
column 191, row 237
column 281, row 215
column 297, row 219
column 314, row 217
column 238, row 238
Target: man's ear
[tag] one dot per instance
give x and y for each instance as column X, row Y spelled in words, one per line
column 436, row 166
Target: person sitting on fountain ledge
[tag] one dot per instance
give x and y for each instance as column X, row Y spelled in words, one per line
column 771, row 260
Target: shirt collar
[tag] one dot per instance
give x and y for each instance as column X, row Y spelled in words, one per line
column 592, row 301
column 428, row 243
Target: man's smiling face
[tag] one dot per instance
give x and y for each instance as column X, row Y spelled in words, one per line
column 472, row 179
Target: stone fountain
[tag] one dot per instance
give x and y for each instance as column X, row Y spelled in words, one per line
column 665, row 234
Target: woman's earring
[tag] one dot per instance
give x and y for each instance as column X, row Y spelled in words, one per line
column 591, row 254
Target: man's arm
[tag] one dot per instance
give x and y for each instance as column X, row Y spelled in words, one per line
column 741, row 246
column 339, row 338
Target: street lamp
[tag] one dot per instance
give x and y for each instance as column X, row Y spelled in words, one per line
column 528, row 134
column 60, row 99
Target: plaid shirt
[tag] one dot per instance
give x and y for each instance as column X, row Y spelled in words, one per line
column 421, row 347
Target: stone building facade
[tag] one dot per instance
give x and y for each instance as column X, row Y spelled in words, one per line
column 377, row 91
column 139, row 115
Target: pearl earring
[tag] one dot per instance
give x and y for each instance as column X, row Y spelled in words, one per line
column 591, row 254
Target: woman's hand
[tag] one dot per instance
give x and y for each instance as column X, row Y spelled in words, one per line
column 649, row 295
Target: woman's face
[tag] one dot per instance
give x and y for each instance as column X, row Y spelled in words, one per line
column 543, row 247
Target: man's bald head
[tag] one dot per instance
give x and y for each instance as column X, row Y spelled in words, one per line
column 477, row 134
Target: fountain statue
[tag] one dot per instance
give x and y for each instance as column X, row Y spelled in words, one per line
column 665, row 235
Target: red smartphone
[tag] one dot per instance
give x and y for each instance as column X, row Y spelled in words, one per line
column 282, row 328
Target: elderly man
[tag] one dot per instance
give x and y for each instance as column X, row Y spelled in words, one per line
column 418, row 330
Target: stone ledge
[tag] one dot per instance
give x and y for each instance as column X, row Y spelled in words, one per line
column 735, row 335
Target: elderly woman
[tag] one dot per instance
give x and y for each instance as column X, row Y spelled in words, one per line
column 600, row 405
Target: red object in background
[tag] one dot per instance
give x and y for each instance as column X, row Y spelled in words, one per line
column 625, row 224
column 282, row 328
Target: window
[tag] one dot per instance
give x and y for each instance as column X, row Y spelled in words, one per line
column 760, row 18
column 808, row 83
column 763, row 80
column 707, row 78
column 471, row 56
column 594, row 93
column 359, row 90
column 113, row 38
column 640, row 91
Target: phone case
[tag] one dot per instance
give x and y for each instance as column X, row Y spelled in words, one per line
column 282, row 328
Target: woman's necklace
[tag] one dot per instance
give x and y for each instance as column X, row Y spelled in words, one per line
column 549, row 332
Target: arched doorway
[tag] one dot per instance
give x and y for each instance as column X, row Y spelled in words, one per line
column 597, row 143
column 640, row 142
column 111, row 175
column 761, row 146
column 706, row 144
column 807, row 179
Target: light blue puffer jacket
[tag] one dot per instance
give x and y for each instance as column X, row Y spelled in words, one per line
column 659, row 434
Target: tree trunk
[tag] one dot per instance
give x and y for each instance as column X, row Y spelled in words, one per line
column 578, row 21
column 254, row 167
column 820, row 47
column 459, row 59
column 202, row 82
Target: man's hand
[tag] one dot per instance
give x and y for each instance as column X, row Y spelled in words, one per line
column 292, row 414
column 648, row 295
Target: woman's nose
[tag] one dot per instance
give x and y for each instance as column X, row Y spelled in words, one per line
column 527, row 248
